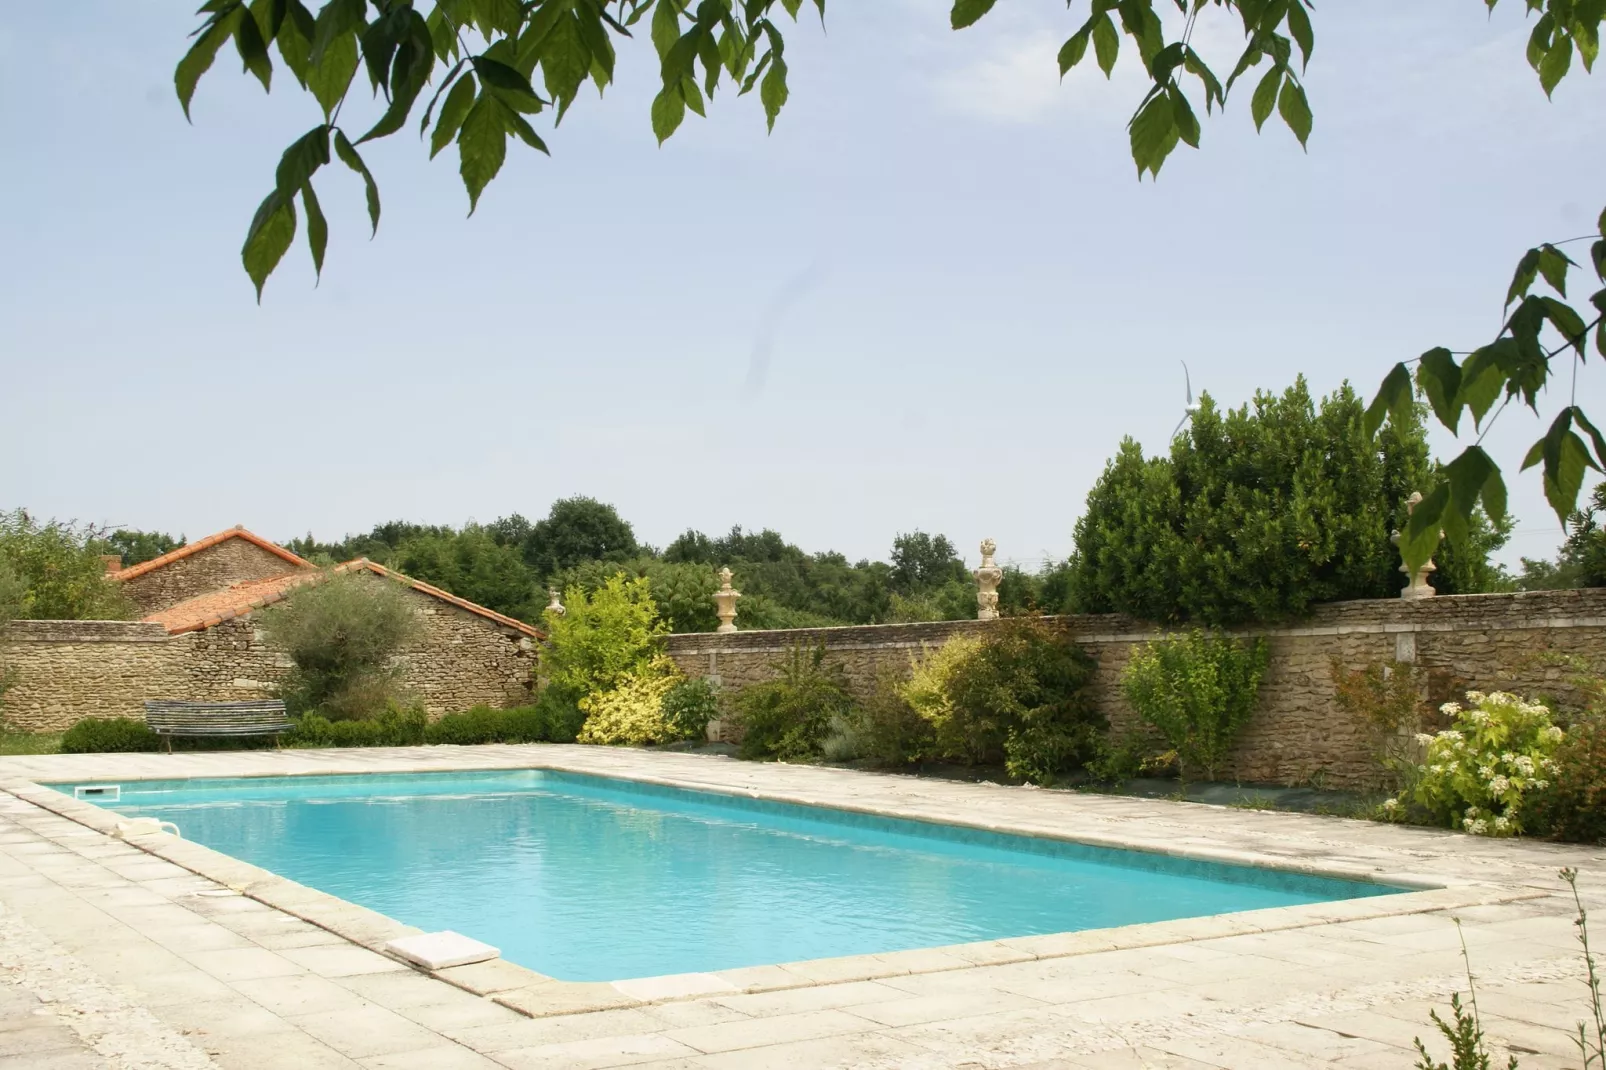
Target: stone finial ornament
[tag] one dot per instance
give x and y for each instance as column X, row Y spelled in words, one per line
column 725, row 599
column 555, row 607
column 987, row 577
column 1418, row 587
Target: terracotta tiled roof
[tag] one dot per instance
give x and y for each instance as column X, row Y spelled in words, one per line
column 208, row 610
column 198, row 545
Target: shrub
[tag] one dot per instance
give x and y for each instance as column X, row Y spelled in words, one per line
column 342, row 634
column 97, row 735
column 1258, row 513
column 1024, row 692
column 560, row 713
column 632, row 714
column 1572, row 806
column 395, row 726
column 1199, row 690
column 927, row 694
column 482, row 724
column 688, row 707
column 56, row 571
column 1478, row 772
column 790, row 717
column 603, row 636
column 888, row 730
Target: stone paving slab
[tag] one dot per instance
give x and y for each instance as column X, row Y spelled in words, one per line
column 275, row 974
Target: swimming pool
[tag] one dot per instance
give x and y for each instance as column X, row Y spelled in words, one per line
column 588, row 878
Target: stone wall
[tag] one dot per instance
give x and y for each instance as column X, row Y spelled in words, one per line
column 212, row 569
column 68, row 670
column 1299, row 736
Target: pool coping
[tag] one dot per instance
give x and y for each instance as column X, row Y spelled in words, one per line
column 537, row 995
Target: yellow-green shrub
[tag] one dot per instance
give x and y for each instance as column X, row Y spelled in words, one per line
column 927, row 689
column 632, row 714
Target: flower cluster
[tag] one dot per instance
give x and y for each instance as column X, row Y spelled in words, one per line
column 1476, row 774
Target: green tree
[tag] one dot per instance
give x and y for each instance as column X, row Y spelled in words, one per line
column 12, row 592
column 136, row 547
column 343, row 635
column 922, row 562
column 1257, row 514
column 471, row 564
column 577, row 530
column 602, row 637
column 59, row 568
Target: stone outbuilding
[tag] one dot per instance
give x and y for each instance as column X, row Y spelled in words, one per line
column 199, row 639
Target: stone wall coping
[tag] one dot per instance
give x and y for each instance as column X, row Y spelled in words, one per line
column 83, row 631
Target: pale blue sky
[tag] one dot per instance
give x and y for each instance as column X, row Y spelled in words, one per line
column 984, row 299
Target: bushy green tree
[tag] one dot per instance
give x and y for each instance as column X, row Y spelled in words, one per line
column 343, row 635
column 577, row 530
column 1199, row 690
column 471, row 564
column 1257, row 514
column 602, row 636
column 136, row 547
column 58, row 567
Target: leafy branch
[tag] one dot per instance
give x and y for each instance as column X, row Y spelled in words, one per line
column 480, row 98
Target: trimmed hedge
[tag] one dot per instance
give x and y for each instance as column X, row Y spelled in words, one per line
column 109, row 735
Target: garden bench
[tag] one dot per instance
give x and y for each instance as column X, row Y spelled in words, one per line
column 263, row 717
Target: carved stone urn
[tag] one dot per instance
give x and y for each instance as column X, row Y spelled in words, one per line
column 554, row 607
column 987, row 577
column 725, row 599
column 1418, row 587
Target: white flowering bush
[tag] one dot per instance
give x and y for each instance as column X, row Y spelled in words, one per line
column 1476, row 774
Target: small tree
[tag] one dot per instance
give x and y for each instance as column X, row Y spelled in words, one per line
column 11, row 592
column 1199, row 690
column 58, row 567
column 602, row 637
column 343, row 635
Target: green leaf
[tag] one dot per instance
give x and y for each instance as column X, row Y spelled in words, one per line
column 1394, row 399
column 295, row 40
column 269, row 237
column 1295, row 110
column 1522, row 279
column 692, row 96
column 1466, row 476
column 1564, row 474
column 1299, row 29
column 348, row 156
column 337, row 19
column 512, row 87
column 458, row 101
column 595, row 36
column 1074, row 49
column 1594, row 435
column 481, row 148
column 305, row 155
column 1553, row 265
column 1567, row 321
column 1153, row 134
column 253, row 51
column 1265, row 97
column 1187, row 122
column 1214, row 94
column 1553, row 68
column 1440, row 379
column 565, row 62
column 668, row 109
column 521, row 126
column 1106, row 44
column 1167, row 60
column 409, row 73
column 665, row 27
column 966, row 12
column 317, row 228
column 1421, row 535
column 1483, row 377
column 330, row 74
column 772, row 91
column 198, row 60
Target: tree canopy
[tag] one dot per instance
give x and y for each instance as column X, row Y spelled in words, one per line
column 492, row 65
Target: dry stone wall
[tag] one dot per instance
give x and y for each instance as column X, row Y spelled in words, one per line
column 65, row 671
column 212, row 569
column 1299, row 736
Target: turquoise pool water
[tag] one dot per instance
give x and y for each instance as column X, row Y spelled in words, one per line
column 593, row 879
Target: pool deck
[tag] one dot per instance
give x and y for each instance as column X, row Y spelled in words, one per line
column 157, row 952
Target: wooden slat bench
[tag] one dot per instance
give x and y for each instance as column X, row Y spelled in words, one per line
column 264, row 717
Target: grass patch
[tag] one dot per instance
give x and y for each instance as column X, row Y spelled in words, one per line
column 14, row 742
